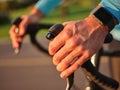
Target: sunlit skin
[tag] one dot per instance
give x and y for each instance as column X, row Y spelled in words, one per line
column 34, row 17
column 78, row 41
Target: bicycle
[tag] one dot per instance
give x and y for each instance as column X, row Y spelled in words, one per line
column 97, row 81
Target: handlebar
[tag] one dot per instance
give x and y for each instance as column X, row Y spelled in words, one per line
column 87, row 67
column 32, row 30
column 52, row 33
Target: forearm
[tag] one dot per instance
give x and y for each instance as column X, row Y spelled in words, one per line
column 42, row 8
column 36, row 15
column 47, row 5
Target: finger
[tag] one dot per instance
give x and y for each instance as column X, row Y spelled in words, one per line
column 70, row 70
column 15, row 44
column 74, row 66
column 61, row 54
column 69, row 59
column 69, row 46
column 64, row 51
column 55, row 46
column 13, row 36
column 22, row 26
column 59, row 41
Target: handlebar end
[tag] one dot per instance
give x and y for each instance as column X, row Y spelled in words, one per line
column 54, row 31
column 50, row 36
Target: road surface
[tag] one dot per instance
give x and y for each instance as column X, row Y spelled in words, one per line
column 33, row 70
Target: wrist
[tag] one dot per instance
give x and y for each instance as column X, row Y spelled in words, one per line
column 36, row 15
column 96, row 28
column 104, row 17
column 112, row 6
column 96, row 24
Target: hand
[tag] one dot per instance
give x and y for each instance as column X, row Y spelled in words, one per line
column 78, row 41
column 33, row 17
column 17, row 32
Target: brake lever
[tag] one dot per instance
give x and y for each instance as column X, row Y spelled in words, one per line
column 31, row 30
column 52, row 33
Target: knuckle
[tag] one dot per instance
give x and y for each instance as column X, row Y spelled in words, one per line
column 68, row 33
column 80, row 49
column 73, row 43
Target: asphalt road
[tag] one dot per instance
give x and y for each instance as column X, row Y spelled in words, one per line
column 30, row 70
column 33, row 70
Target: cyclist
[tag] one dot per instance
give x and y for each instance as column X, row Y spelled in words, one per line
column 80, row 39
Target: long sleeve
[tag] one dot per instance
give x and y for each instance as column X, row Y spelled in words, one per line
column 113, row 6
column 47, row 5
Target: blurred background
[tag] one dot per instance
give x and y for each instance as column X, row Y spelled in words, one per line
column 68, row 10
column 31, row 69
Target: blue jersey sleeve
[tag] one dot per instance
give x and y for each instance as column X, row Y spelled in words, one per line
column 113, row 6
column 47, row 5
